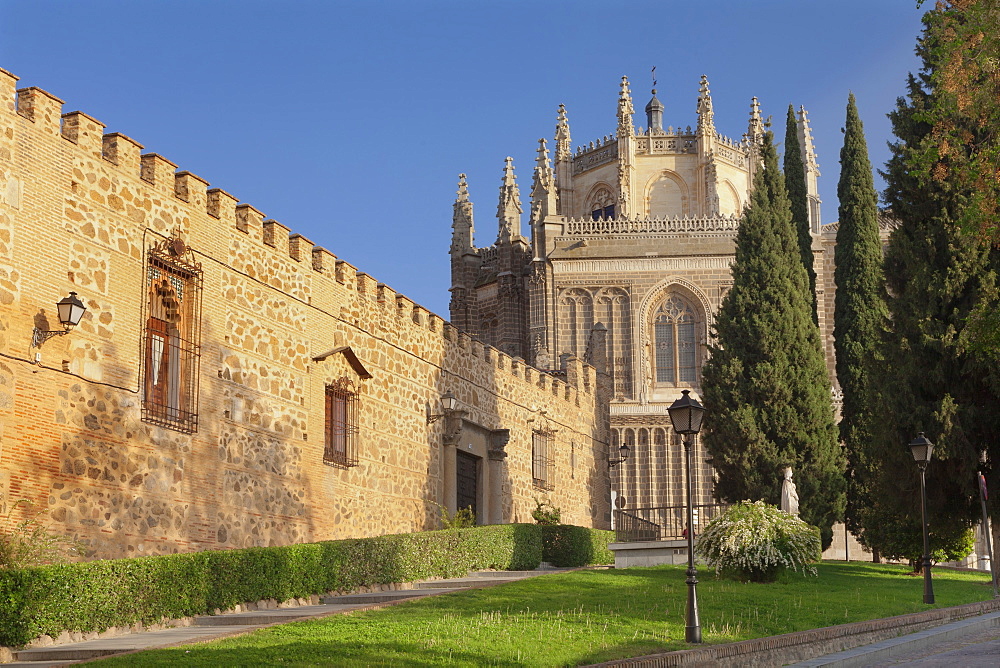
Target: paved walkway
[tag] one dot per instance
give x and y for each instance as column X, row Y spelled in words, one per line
column 211, row 627
column 970, row 643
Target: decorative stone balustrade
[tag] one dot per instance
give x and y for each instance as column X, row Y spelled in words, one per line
column 717, row 224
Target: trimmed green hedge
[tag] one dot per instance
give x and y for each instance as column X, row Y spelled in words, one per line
column 565, row 545
column 96, row 595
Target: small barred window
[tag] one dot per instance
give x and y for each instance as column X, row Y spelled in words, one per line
column 541, row 461
column 341, row 447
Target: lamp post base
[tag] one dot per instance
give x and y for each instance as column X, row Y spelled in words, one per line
column 928, row 587
column 692, row 628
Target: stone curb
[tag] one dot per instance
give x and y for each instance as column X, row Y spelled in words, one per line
column 804, row 645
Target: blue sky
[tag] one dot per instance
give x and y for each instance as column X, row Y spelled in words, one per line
column 350, row 121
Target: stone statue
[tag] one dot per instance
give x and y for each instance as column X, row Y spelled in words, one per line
column 789, row 496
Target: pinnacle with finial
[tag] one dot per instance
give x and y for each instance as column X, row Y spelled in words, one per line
column 706, row 115
column 462, row 225
column 563, row 148
column 463, row 189
column 509, row 208
column 508, row 172
column 542, row 159
column 756, row 128
column 806, row 139
column 543, row 168
column 625, row 109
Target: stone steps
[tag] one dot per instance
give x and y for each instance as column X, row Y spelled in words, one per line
column 264, row 617
column 93, row 649
column 461, row 583
column 383, row 596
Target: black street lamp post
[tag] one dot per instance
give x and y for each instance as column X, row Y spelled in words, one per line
column 685, row 415
column 922, row 449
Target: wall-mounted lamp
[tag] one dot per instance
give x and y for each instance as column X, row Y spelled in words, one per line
column 448, row 406
column 623, row 453
column 70, row 310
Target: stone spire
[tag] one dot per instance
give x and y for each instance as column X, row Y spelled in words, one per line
column 461, row 225
column 755, row 131
column 806, row 139
column 563, row 148
column 811, row 166
column 543, row 169
column 625, row 110
column 706, row 116
column 509, row 209
column 543, row 186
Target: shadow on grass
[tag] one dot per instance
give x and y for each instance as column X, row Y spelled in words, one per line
column 577, row 618
column 395, row 653
column 317, row 653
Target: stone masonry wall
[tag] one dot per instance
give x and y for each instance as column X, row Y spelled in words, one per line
column 79, row 210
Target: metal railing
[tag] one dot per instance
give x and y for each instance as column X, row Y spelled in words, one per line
column 663, row 523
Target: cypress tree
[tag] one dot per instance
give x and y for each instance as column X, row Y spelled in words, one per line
column 860, row 312
column 795, row 182
column 765, row 387
column 939, row 276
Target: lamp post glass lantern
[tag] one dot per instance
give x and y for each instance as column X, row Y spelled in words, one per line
column 922, row 450
column 685, row 416
column 70, row 310
column 449, row 404
column 623, row 453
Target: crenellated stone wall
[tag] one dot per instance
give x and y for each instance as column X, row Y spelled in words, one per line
column 281, row 318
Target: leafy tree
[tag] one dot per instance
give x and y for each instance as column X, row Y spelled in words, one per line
column 940, row 273
column 795, row 182
column 765, row 387
column 545, row 513
column 860, row 313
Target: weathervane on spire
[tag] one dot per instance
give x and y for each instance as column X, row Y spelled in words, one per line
column 653, row 74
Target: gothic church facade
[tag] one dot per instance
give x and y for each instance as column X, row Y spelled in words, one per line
column 631, row 241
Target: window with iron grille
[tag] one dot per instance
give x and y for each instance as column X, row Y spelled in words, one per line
column 341, row 444
column 541, row 462
column 171, row 337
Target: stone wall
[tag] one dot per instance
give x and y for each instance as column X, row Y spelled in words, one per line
column 281, row 319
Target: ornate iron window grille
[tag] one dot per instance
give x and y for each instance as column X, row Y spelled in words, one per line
column 171, row 340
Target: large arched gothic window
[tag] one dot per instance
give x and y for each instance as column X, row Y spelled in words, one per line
column 675, row 342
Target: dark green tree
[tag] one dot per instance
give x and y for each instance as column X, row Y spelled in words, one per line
column 860, row 312
column 765, row 387
column 939, row 277
column 795, row 182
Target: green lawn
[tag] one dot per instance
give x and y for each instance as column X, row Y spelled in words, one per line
column 578, row 617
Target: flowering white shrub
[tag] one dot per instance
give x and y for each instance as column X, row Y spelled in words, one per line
column 756, row 540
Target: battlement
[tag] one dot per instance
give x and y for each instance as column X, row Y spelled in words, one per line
column 31, row 109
